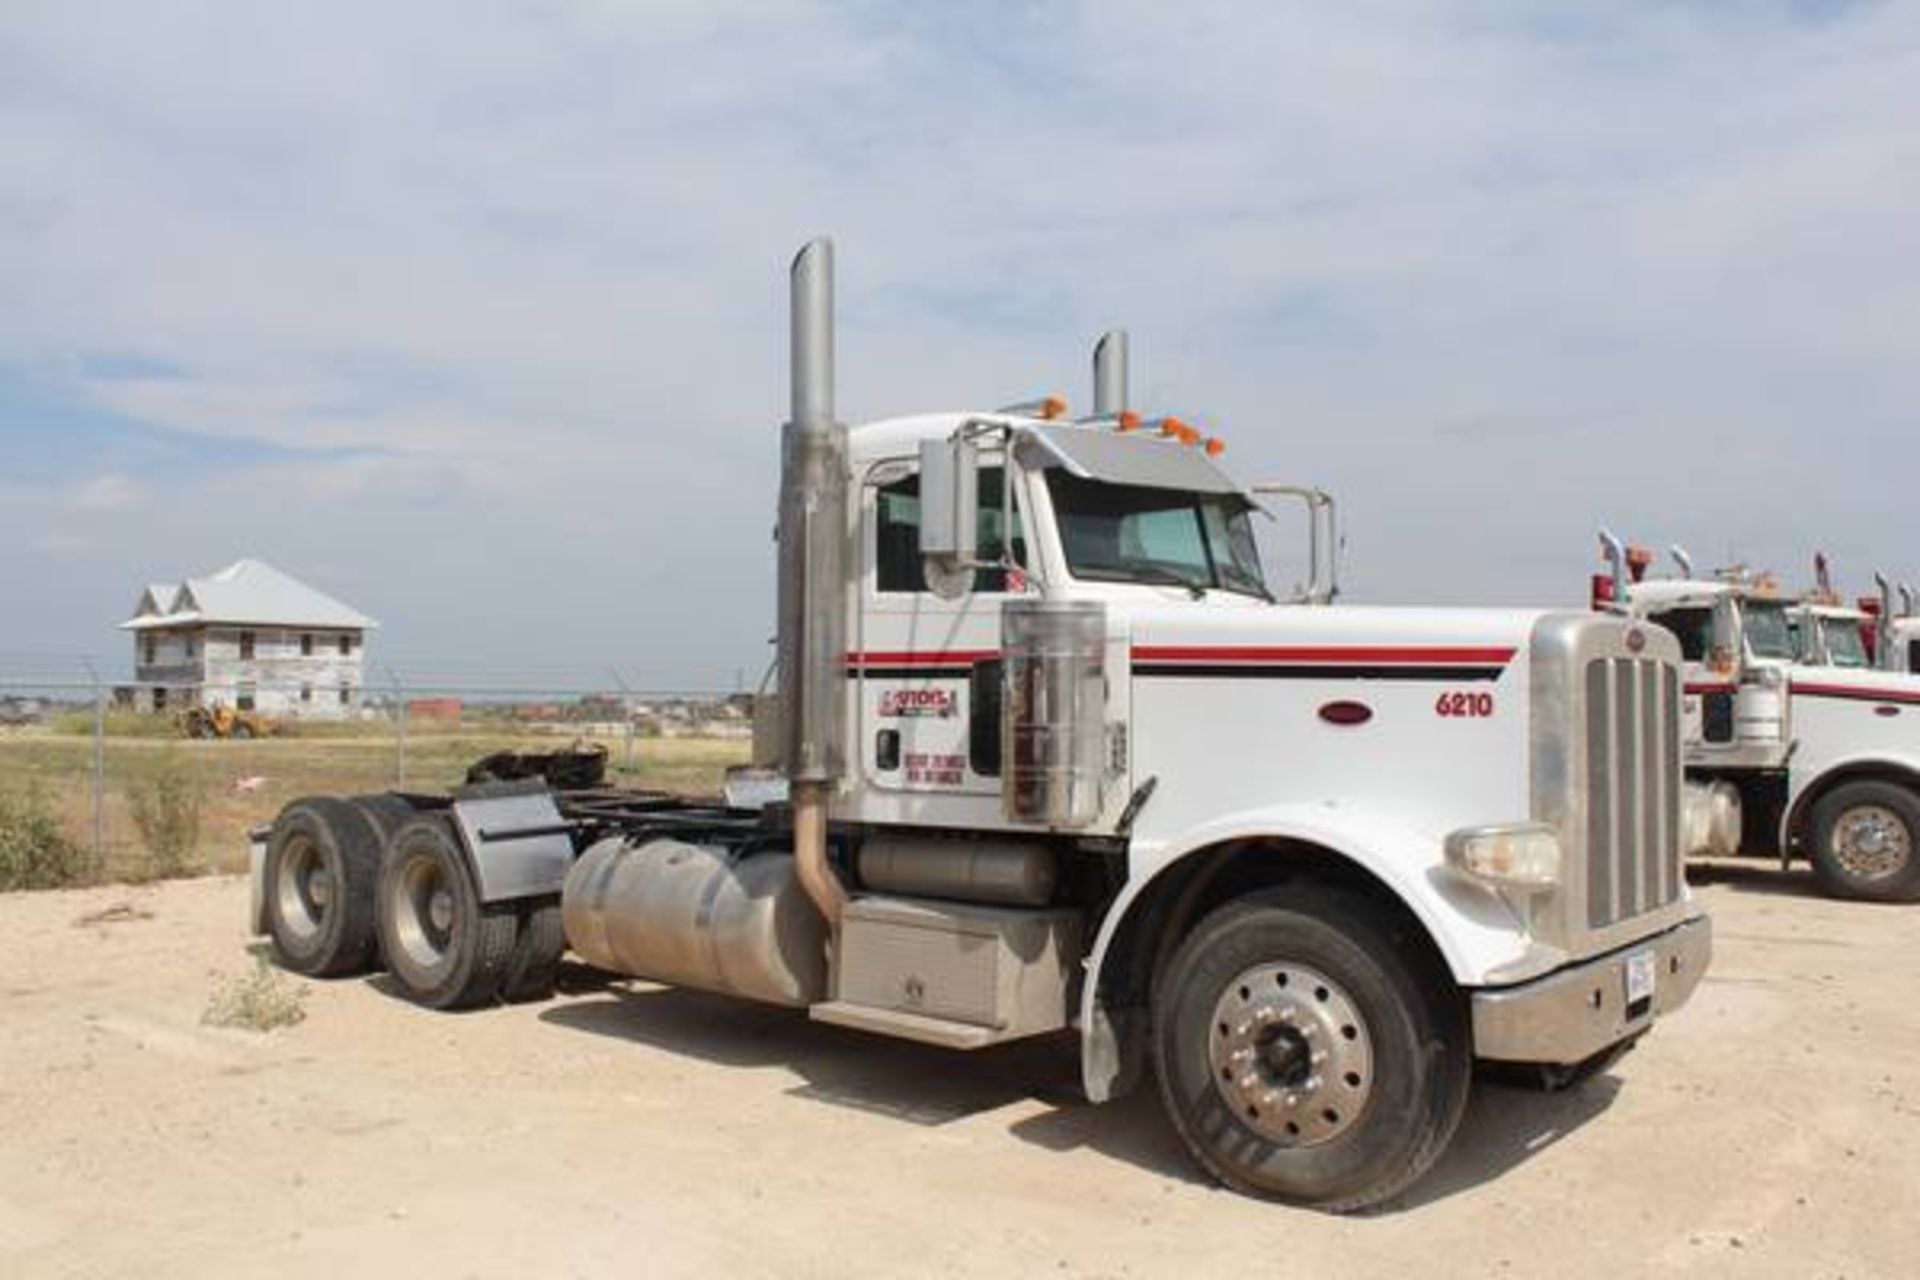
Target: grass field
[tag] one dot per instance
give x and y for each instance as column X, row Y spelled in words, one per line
column 244, row 784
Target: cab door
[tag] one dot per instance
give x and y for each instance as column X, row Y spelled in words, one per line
column 924, row 670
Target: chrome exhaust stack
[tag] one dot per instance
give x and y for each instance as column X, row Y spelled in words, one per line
column 812, row 613
column 1883, row 624
column 1681, row 558
column 1110, row 374
column 1616, row 554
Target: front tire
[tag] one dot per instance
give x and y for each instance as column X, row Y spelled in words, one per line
column 445, row 948
column 1303, row 1052
column 1866, row 842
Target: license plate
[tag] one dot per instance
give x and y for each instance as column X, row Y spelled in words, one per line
column 1640, row 971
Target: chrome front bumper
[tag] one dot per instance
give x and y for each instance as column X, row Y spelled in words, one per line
column 1570, row 1015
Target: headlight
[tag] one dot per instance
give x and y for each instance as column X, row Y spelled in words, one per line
column 1521, row 856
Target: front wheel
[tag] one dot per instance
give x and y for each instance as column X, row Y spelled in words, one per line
column 1302, row 1057
column 1866, row 842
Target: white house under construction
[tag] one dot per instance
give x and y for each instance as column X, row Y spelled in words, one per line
column 251, row 637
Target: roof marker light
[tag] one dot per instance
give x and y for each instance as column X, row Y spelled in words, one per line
column 1129, row 421
column 1215, row 446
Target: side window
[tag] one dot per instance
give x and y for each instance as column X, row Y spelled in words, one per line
column 897, row 534
column 1692, row 627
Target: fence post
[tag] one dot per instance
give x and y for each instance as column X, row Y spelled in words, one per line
column 626, row 708
column 99, row 767
column 400, row 722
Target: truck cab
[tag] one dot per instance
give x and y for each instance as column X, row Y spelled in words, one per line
column 1784, row 707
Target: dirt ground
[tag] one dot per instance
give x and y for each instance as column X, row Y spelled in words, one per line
column 1770, row 1129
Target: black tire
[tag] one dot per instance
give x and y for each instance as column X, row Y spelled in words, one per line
column 534, row 966
column 1865, row 842
column 387, row 812
column 1340, row 1131
column 322, row 866
column 444, row 947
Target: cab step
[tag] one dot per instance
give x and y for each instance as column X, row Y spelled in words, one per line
column 904, row 1026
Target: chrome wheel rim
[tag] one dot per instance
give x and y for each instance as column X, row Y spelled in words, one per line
column 1871, row 842
column 1291, row 1055
column 422, row 913
column 304, row 889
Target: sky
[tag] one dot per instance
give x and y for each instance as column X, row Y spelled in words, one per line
column 472, row 314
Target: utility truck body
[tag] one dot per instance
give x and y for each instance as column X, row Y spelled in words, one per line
column 1784, row 712
column 1048, row 756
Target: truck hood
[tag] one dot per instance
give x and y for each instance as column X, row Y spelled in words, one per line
column 1477, row 634
column 1863, row 681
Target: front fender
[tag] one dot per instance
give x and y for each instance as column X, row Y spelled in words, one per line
column 1829, row 772
column 1472, row 927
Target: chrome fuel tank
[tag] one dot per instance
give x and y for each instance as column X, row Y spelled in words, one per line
column 694, row 916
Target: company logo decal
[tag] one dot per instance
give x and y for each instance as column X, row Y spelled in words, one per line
column 916, row 704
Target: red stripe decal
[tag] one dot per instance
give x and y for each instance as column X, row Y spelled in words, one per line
column 1854, row 691
column 1331, row 654
column 1711, row 688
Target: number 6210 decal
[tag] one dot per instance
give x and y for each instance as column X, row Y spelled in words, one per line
column 1468, row 705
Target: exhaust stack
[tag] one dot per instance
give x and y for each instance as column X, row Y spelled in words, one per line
column 1615, row 552
column 1110, row 374
column 1681, row 558
column 1882, row 624
column 811, row 622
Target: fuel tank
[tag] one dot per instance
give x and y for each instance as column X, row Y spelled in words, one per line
column 696, row 916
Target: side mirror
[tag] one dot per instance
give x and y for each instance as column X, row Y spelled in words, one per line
column 949, row 515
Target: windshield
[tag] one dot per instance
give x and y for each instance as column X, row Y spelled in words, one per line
column 1845, row 645
column 1134, row 533
column 1768, row 633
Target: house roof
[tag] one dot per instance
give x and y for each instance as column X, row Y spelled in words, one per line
column 246, row 591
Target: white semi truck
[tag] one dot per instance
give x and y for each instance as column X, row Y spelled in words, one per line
column 1055, row 760
column 1783, row 710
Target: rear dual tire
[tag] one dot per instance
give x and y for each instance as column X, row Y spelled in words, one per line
column 445, row 948
column 322, row 868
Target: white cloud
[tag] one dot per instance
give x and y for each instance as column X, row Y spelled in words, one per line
column 1494, row 277
column 109, row 492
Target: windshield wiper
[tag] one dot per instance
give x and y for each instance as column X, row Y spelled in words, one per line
column 1145, row 573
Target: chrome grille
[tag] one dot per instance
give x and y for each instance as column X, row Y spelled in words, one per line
column 1633, row 788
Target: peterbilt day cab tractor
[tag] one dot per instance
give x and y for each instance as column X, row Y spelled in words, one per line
column 1821, row 751
column 1055, row 760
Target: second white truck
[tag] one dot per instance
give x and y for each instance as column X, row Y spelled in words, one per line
column 1783, row 709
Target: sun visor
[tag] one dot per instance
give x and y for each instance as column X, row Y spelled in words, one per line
column 1112, row 458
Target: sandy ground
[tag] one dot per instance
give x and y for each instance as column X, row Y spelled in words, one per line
column 1771, row 1129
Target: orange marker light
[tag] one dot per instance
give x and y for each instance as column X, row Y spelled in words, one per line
column 1215, row 446
column 1189, row 435
column 1129, row 420
column 1172, row 427
column 1053, row 407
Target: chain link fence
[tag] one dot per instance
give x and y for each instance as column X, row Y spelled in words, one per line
column 104, row 779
